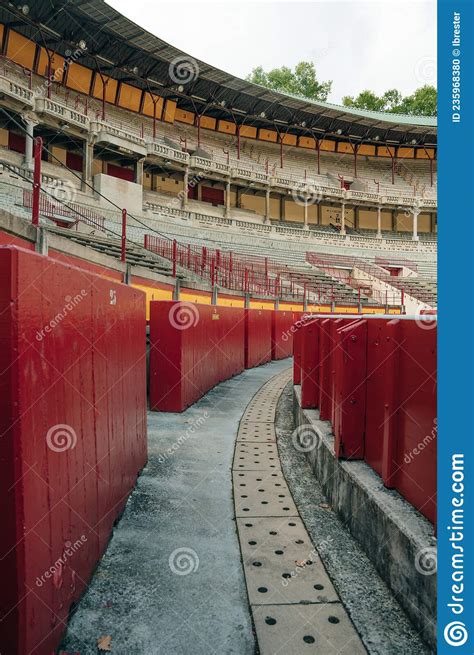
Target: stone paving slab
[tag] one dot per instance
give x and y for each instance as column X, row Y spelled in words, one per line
column 323, row 629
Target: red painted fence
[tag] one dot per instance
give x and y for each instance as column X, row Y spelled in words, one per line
column 375, row 380
column 282, row 333
column 192, row 348
column 73, row 435
column 258, row 337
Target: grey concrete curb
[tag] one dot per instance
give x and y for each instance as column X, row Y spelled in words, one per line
column 398, row 540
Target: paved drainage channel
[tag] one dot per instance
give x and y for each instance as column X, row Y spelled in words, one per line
column 295, row 607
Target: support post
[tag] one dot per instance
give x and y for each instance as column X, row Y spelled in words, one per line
column 174, row 256
column 184, row 199
column 306, row 213
column 139, row 171
column 343, row 218
column 267, row 206
column 415, row 224
column 227, row 199
column 37, row 181
column 29, row 143
column 123, row 245
column 379, row 222
column 87, row 165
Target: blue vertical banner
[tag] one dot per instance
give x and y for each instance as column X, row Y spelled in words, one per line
column 456, row 327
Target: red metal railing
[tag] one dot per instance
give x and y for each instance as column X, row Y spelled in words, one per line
column 54, row 210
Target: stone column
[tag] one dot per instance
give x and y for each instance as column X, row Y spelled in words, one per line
column 306, row 213
column 139, row 171
column 87, row 165
column 356, row 217
column 267, row 206
column 379, row 222
column 319, row 215
column 227, row 199
column 282, row 208
column 416, row 212
column 184, row 199
column 343, row 218
column 30, row 123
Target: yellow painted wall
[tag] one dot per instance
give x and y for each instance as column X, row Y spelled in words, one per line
column 248, row 132
column 226, row 126
column 78, row 77
column 184, row 116
column 57, row 65
column 110, row 88
column 208, row 123
column 3, row 138
column 21, row 50
column 170, row 109
column 149, row 100
column 129, row 97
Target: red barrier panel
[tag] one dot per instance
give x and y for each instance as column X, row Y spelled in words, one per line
column 282, row 333
column 73, row 426
column 310, row 358
column 192, row 348
column 412, row 469
column 258, row 337
column 377, row 385
column 350, row 366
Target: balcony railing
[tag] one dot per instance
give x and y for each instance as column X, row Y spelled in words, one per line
column 62, row 112
column 16, row 91
column 166, row 152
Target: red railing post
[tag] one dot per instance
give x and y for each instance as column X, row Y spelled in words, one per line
column 38, row 147
column 123, row 245
column 175, row 252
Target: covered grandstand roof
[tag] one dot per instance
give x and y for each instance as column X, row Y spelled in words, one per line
column 126, row 51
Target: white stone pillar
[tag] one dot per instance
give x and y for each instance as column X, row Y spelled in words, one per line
column 306, row 213
column 379, row 222
column 184, row 199
column 139, row 171
column 343, row 218
column 267, row 206
column 87, row 165
column 30, row 123
column 227, row 199
column 415, row 224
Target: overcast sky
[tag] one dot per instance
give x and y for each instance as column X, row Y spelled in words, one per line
column 374, row 45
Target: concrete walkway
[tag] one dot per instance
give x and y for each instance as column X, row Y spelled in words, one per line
column 171, row 580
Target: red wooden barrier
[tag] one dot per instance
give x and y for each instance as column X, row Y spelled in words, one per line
column 282, row 333
column 350, row 366
column 258, row 337
column 192, row 348
column 310, row 359
column 376, row 383
column 73, row 426
column 297, row 346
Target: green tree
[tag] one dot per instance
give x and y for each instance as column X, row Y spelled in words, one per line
column 421, row 103
column 301, row 81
